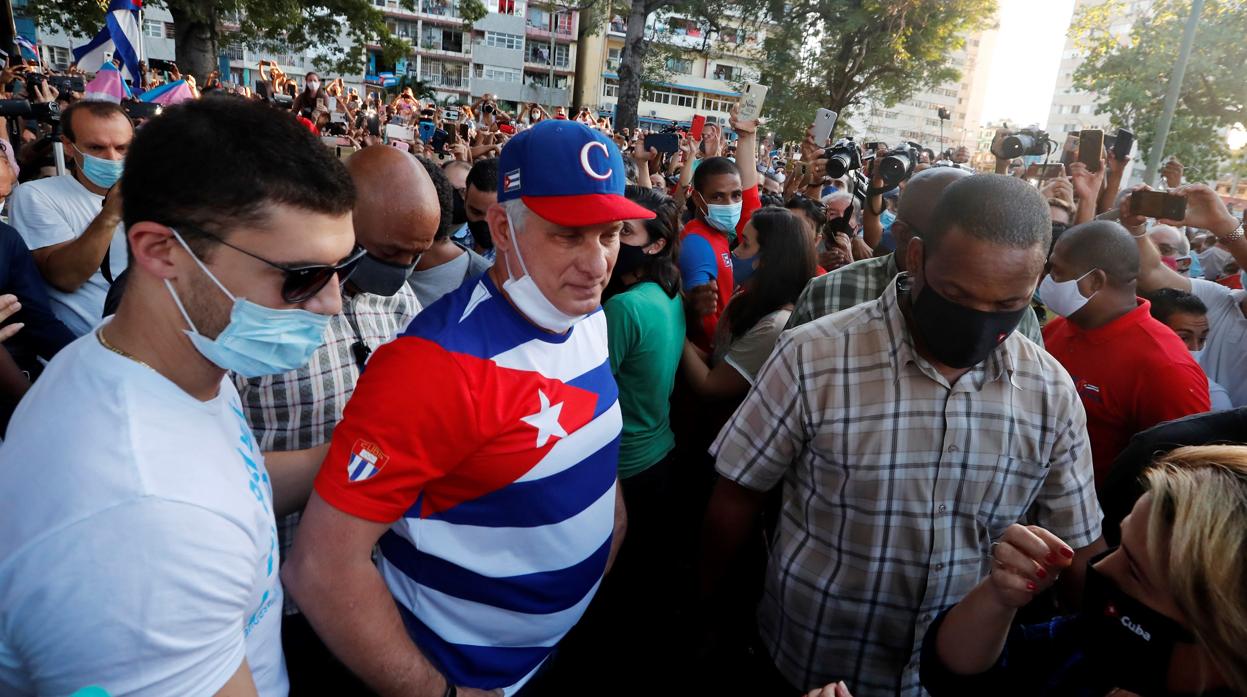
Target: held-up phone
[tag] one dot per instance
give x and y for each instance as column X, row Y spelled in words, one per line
column 397, row 131
column 439, row 140
column 451, row 115
column 1091, row 148
column 1158, row 204
column 797, row 168
column 67, row 83
column 1049, row 171
column 161, row 64
column 751, row 101
column 694, row 131
column 426, row 130
column 824, row 122
column 1123, row 143
column 141, row 110
column 663, row 142
column 1069, row 152
column 872, row 145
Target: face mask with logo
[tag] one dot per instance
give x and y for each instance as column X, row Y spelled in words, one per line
column 480, row 233
column 529, row 299
column 378, row 277
column 1063, row 297
column 742, row 269
column 959, row 336
column 258, row 340
column 100, row 172
column 1128, row 644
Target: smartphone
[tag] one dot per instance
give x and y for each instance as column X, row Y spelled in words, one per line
column 451, row 115
column 397, row 131
column 797, row 168
column 1123, row 143
column 873, row 145
column 426, row 130
column 1049, row 171
column 401, row 145
column 161, row 64
column 663, row 142
column 1158, row 204
column 438, row 141
column 141, row 110
column 67, row 83
column 506, row 128
column 331, row 141
column 824, row 122
column 1069, row 152
column 1091, row 148
column 751, row 101
column 699, row 122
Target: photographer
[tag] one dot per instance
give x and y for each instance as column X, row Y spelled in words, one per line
column 72, row 223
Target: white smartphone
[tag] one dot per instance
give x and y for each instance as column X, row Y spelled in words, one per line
column 751, row 101
column 397, row 131
column 824, row 122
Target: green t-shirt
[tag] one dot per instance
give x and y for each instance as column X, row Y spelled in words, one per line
column 646, row 339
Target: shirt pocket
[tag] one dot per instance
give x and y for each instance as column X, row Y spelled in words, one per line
column 1008, row 495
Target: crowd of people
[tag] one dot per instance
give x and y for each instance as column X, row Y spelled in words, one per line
column 313, row 393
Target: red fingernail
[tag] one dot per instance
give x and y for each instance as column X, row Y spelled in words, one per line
column 1067, row 552
column 1041, row 573
column 1053, row 558
column 1030, row 586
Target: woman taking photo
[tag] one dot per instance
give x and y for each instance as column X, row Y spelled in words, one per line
column 1163, row 614
column 775, row 275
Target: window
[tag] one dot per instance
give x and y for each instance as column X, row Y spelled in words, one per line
column 509, row 41
column 154, row 28
column 233, row 51
column 170, row 32
column 610, row 88
column 680, row 66
column 717, row 104
column 727, row 73
column 510, row 7
column 540, row 53
column 404, row 30
column 441, row 8
column 58, row 56
column 613, row 56
column 493, row 72
column 672, row 96
column 435, row 38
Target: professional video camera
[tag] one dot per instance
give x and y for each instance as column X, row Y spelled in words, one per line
column 1022, row 142
column 898, row 165
column 842, row 158
column 47, row 112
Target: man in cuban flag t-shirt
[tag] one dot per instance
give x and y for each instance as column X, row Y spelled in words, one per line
column 478, row 452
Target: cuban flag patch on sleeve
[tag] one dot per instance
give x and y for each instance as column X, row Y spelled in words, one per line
column 366, row 461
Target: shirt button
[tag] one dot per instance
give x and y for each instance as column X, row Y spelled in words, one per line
column 939, row 567
column 953, row 449
column 943, row 508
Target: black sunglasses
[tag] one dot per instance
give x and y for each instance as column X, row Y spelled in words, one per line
column 301, row 282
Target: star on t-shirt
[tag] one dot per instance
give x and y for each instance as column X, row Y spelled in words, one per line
column 546, row 421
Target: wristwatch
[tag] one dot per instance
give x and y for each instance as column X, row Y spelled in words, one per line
column 1234, row 236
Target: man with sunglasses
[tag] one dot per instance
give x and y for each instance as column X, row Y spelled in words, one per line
column 139, row 548
column 293, row 414
column 480, row 449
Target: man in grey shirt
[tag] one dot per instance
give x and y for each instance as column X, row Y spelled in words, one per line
column 446, row 265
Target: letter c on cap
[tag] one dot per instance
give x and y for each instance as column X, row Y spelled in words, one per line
column 584, row 160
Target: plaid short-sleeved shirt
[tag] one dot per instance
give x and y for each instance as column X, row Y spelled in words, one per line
column 895, row 485
column 861, row 282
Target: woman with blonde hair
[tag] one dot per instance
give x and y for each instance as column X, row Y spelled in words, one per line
column 1165, row 613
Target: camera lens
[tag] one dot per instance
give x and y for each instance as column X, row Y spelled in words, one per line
column 838, row 165
column 1016, row 145
column 894, row 169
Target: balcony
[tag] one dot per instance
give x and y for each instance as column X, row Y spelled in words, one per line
column 617, row 27
column 440, row 50
column 451, row 82
column 441, row 10
column 539, row 57
column 542, row 31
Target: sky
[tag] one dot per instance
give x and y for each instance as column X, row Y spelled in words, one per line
column 1026, row 60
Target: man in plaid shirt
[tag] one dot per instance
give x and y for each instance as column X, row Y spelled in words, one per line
column 865, row 280
column 908, row 433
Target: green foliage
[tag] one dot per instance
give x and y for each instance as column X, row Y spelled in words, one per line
column 1131, row 75
column 884, row 50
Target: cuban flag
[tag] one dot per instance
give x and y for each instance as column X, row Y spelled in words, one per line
column 120, row 35
column 366, row 460
column 27, row 47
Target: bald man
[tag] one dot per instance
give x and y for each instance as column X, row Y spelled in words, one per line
column 1131, row 371
column 865, row 280
column 1172, row 245
column 293, row 414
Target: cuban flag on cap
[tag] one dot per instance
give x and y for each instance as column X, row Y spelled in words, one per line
column 567, row 173
column 366, row 461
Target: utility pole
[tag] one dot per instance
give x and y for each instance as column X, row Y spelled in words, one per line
column 1171, row 97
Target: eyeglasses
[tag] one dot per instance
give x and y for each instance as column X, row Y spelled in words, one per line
column 301, row 282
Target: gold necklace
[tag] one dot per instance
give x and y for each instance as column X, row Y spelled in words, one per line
column 99, row 334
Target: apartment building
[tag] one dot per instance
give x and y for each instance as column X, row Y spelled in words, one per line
column 702, row 74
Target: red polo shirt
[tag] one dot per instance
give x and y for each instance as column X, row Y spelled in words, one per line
column 750, row 202
column 1132, row 374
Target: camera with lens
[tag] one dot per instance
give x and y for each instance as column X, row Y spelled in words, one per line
column 47, row 112
column 281, row 100
column 842, row 158
column 898, row 165
column 1022, row 142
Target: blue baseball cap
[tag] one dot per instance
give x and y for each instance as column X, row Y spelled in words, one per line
column 567, row 173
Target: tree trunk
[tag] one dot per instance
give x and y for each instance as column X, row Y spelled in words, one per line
column 630, row 61
column 195, row 28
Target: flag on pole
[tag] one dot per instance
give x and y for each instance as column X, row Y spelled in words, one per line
column 108, row 85
column 27, row 46
column 169, row 94
column 121, row 35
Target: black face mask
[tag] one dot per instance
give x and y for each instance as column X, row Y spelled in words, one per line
column 842, row 224
column 1128, row 644
column 630, row 259
column 956, row 335
column 480, row 233
column 378, row 277
column 460, row 216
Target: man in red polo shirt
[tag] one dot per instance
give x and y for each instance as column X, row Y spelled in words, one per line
column 1131, row 371
column 725, row 195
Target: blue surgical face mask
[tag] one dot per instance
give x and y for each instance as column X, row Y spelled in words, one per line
column 258, row 340
column 742, row 269
column 724, row 217
column 102, row 173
